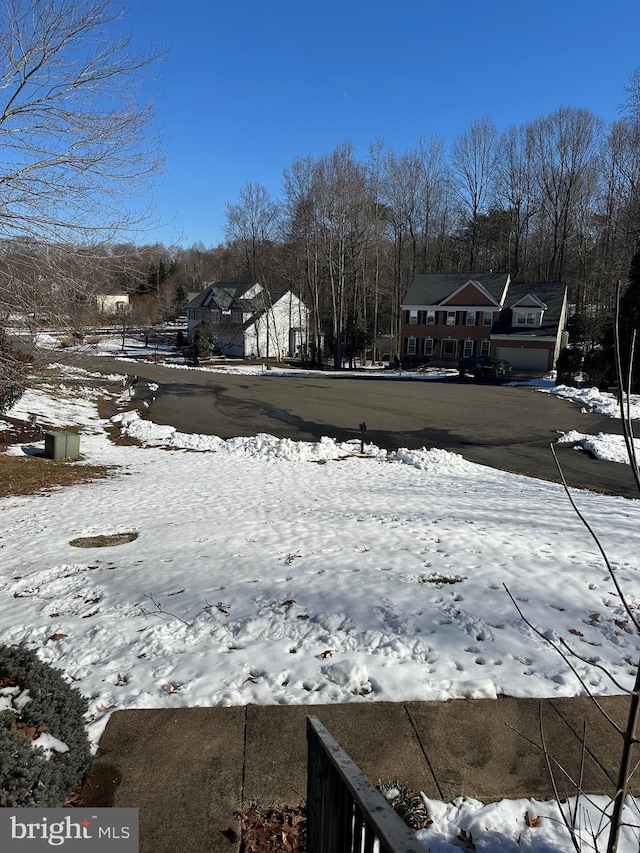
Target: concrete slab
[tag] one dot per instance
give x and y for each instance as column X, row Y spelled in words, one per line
column 486, row 749
column 189, row 769
column 182, row 768
column 378, row 736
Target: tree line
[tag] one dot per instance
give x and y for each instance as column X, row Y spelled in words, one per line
column 554, row 199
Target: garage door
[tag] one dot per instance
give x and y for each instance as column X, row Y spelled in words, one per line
column 524, row 359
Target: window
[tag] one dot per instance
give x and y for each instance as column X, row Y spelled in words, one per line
column 431, row 318
column 451, row 318
column 484, row 348
column 471, row 318
column 427, row 346
column 413, row 318
column 467, row 350
column 527, row 318
column 487, row 318
column 411, row 346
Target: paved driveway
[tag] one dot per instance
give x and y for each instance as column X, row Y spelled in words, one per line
column 498, row 425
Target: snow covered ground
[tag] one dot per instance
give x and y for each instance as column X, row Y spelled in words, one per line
column 277, row 572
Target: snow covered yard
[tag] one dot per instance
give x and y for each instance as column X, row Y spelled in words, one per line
column 272, row 571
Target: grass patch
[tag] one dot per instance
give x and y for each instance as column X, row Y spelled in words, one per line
column 106, row 411
column 104, row 541
column 28, row 475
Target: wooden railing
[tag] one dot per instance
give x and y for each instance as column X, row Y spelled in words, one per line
column 345, row 812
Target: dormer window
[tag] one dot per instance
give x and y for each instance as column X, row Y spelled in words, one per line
column 526, row 318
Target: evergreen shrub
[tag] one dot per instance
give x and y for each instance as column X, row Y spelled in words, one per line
column 35, row 699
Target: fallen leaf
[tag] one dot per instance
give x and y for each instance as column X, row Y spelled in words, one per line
column 531, row 820
column 58, row 636
column 575, row 632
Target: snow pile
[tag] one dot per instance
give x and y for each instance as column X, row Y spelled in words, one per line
column 523, row 825
column 262, row 445
column 601, row 402
column 611, row 448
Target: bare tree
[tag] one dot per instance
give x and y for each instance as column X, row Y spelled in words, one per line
column 75, row 142
column 628, row 764
column 73, row 133
column 252, row 223
column 514, row 189
column 473, row 156
column 563, row 148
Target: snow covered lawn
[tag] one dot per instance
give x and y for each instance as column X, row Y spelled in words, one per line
column 271, row 571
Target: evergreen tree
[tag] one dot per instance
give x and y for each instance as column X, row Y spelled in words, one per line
column 630, row 320
column 200, row 343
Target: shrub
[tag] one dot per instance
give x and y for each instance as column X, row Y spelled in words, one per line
column 13, row 373
column 568, row 365
column 35, row 699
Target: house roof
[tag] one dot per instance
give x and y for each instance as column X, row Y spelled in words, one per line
column 552, row 294
column 435, row 288
column 226, row 296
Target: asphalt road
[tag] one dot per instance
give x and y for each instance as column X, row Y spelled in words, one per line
column 499, row 425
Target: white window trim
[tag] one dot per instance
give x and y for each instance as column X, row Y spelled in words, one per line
column 485, row 347
column 431, row 318
column 471, row 314
column 467, row 348
column 451, row 318
column 426, row 341
column 413, row 318
column 527, row 319
column 411, row 345
column 484, row 318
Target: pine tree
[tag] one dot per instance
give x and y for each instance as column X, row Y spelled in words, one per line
column 630, row 320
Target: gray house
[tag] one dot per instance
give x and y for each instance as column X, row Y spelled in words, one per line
column 249, row 321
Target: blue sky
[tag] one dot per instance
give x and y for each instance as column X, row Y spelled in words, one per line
column 249, row 86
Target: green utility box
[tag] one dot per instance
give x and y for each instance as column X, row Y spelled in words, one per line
column 61, row 445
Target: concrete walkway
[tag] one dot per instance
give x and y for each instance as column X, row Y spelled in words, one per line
column 189, row 770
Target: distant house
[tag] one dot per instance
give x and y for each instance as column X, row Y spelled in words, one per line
column 248, row 321
column 113, row 303
column 450, row 316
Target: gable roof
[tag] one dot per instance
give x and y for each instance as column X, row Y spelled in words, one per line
column 436, row 288
column 529, row 301
column 226, row 296
column 550, row 294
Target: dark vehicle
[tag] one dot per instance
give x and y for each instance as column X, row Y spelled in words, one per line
column 482, row 366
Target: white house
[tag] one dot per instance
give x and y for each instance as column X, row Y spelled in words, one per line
column 248, row 321
column 113, row 303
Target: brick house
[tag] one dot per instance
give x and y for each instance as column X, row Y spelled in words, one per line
column 447, row 316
